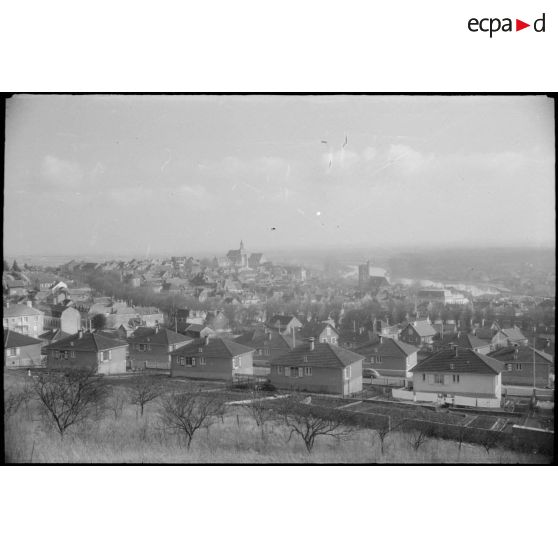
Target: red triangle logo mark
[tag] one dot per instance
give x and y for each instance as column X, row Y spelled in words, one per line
column 519, row 25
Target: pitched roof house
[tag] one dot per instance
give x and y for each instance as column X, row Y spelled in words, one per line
column 212, row 358
column 23, row 318
column 150, row 347
column 509, row 336
column 318, row 367
column 460, row 376
column 90, row 351
column 389, row 357
column 21, row 350
column 525, row 366
column 284, row 323
column 419, row 333
column 268, row 344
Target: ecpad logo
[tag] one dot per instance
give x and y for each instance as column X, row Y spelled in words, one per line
column 493, row 25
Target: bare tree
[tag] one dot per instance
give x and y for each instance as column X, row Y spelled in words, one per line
column 489, row 440
column 116, row 403
column 144, row 389
column 185, row 413
column 69, row 398
column 13, row 401
column 460, row 438
column 309, row 423
column 418, row 438
column 386, row 429
column 259, row 409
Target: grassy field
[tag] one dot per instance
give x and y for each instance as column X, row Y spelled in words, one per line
column 234, row 439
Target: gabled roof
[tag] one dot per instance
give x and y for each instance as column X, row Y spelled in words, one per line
column 54, row 335
column 523, row 354
column 388, row 347
column 157, row 336
column 16, row 310
column 324, row 355
column 283, row 320
column 213, row 348
column 513, row 333
column 89, row 342
column 314, row 329
column 259, row 339
column 423, row 328
column 464, row 361
column 14, row 339
column 470, row 341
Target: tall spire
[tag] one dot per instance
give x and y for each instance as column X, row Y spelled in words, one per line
column 241, row 245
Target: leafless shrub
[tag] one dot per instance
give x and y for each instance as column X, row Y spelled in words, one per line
column 143, row 390
column 418, row 438
column 259, row 409
column 309, row 423
column 115, row 404
column 387, row 428
column 13, row 401
column 185, row 413
column 69, row 398
column 489, row 440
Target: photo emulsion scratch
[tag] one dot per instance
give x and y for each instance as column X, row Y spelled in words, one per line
column 279, row 279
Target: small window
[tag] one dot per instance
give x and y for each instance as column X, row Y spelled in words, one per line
column 455, row 378
column 519, row 366
column 56, row 354
column 438, row 378
column 202, row 361
column 12, row 352
column 280, row 370
column 307, row 371
column 293, row 372
column 509, row 367
column 379, row 359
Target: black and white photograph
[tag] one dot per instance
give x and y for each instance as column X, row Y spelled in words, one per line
column 279, row 279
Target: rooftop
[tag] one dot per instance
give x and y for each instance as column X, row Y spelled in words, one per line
column 462, row 361
column 324, row 355
column 213, row 348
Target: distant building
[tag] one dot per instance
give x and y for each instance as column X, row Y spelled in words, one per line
column 442, row 296
column 284, row 324
column 24, row 319
column 370, row 277
column 418, row 333
column 238, row 258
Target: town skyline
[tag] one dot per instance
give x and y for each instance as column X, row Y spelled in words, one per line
column 134, row 175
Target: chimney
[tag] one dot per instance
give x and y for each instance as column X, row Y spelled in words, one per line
column 156, row 327
column 312, row 345
column 206, row 340
column 29, row 303
column 80, row 334
column 268, row 335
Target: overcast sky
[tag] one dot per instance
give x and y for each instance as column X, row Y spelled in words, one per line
column 158, row 174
